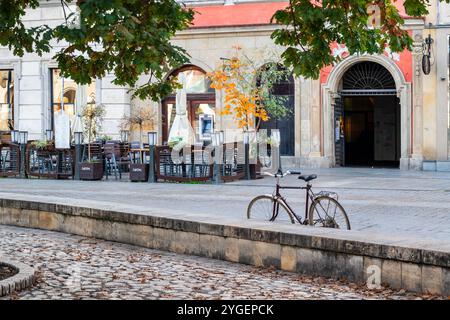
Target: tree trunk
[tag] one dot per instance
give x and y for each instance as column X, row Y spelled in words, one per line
column 89, row 141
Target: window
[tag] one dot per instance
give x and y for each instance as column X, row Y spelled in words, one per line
column 200, row 104
column 6, row 100
column 74, row 96
column 196, row 80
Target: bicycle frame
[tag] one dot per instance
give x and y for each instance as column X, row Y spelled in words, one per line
column 278, row 196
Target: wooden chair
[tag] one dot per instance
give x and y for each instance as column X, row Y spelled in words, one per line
column 114, row 161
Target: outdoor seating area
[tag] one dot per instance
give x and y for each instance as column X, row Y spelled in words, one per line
column 120, row 160
column 9, row 159
column 50, row 163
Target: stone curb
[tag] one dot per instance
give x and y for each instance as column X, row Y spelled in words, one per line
column 23, row 279
column 354, row 243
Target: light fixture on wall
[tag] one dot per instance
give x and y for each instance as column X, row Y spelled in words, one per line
column 426, row 54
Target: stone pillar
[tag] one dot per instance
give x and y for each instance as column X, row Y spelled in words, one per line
column 305, row 117
column 329, row 97
column 403, row 93
column 316, row 127
column 299, row 115
column 311, row 125
column 441, row 68
column 417, row 130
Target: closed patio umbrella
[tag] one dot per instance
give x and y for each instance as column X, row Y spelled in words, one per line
column 181, row 129
column 80, row 101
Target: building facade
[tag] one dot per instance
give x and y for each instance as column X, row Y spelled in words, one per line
column 368, row 110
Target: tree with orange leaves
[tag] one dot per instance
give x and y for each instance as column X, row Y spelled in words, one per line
column 247, row 99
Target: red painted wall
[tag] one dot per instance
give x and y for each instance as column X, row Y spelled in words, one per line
column 246, row 14
column 261, row 13
column 404, row 62
column 236, row 15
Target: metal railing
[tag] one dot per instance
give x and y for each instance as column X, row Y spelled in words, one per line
column 9, row 159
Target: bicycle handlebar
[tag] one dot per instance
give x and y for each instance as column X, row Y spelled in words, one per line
column 280, row 174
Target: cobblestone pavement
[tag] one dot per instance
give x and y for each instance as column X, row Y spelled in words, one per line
column 410, row 204
column 73, row 267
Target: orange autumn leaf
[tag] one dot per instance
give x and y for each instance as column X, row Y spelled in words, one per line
column 242, row 103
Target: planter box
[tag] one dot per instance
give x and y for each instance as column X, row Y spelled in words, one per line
column 255, row 171
column 91, row 170
column 138, row 172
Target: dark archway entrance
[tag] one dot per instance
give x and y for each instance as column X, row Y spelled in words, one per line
column 367, row 117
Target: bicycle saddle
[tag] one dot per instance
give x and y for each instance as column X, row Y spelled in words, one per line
column 307, row 178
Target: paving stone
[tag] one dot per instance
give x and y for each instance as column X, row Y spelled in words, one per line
column 119, row 271
column 386, row 201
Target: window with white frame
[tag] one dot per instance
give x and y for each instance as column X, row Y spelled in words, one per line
column 68, row 96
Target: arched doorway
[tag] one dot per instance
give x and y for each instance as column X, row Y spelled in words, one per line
column 367, row 117
column 284, row 88
column 200, row 101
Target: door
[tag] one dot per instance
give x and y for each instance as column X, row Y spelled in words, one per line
column 286, row 126
column 196, row 110
column 339, row 140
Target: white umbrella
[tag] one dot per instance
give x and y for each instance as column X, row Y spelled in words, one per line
column 181, row 129
column 80, row 101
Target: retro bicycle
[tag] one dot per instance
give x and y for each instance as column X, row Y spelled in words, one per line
column 324, row 211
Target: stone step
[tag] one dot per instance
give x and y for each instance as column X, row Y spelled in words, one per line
column 440, row 166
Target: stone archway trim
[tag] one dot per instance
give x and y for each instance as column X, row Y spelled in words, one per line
column 330, row 90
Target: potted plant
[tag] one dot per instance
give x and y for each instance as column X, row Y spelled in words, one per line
column 92, row 115
column 140, row 118
column 104, row 138
column 42, row 146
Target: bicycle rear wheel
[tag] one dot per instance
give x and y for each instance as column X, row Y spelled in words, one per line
column 328, row 213
column 267, row 208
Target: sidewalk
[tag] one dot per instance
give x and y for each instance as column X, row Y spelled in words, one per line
column 409, row 204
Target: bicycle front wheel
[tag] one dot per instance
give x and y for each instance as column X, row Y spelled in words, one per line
column 267, row 208
column 328, row 213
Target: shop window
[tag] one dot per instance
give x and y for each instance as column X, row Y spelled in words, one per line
column 66, row 94
column 6, row 100
column 200, row 104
